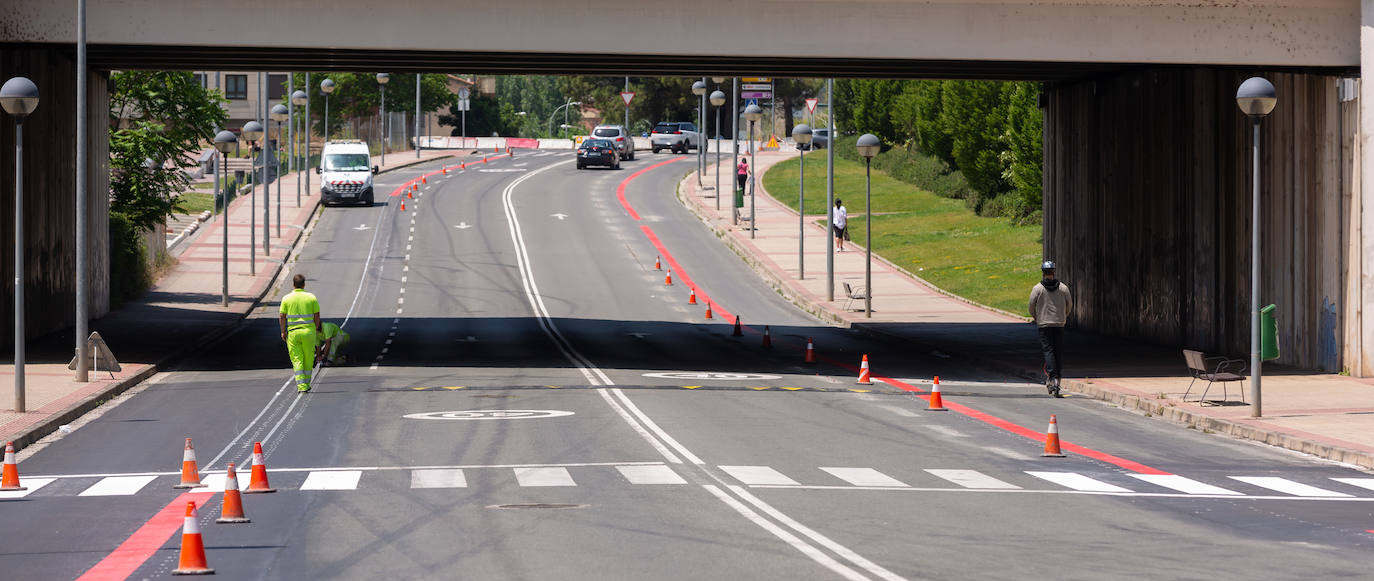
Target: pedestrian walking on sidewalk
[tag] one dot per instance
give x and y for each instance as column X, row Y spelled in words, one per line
column 742, row 173
column 300, row 324
column 1050, row 305
column 841, row 226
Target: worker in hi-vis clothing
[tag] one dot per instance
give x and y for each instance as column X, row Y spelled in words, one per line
column 332, row 338
column 300, row 323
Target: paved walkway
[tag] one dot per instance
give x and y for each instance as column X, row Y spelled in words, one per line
column 1327, row 415
column 183, row 311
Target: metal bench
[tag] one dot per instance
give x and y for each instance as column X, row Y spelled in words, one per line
column 1225, row 371
column 854, row 295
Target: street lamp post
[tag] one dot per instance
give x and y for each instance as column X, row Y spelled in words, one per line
column 326, row 87
column 734, row 144
column 699, row 89
column 19, row 97
column 417, row 115
column 717, row 99
column 299, row 98
column 868, row 146
column 224, row 142
column 307, row 133
column 382, row 79
column 1256, row 98
column 252, row 131
column 562, row 107
column 802, row 135
column 752, row 114
column 279, row 114
column 830, row 190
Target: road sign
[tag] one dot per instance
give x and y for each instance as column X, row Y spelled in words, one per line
column 464, row 104
column 757, row 79
column 756, row 87
column 627, row 96
column 463, row 93
column 756, row 94
column 811, row 105
column 754, row 102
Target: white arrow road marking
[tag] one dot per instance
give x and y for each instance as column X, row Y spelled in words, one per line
column 560, row 216
column 362, row 227
column 462, row 225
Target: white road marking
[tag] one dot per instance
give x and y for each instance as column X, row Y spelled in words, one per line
column 789, row 538
column 639, row 429
column 762, row 475
column 649, row 423
column 400, row 300
column 1360, row 482
column 973, row 479
column 945, row 430
column 906, row 413
column 399, row 311
column 864, row 477
column 820, row 539
column 215, row 482
column 544, row 476
column 657, row 474
column 403, row 290
column 33, row 484
column 373, row 367
column 388, row 341
column 1182, row 484
column 1288, row 486
column 438, row 478
column 1077, row 481
column 117, row 486
column 1013, row 454
column 408, row 246
column 332, row 480
column 403, row 279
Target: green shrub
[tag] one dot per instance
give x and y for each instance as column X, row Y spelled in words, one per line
column 129, row 275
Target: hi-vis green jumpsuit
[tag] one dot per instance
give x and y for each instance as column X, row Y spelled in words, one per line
column 300, row 309
column 337, row 339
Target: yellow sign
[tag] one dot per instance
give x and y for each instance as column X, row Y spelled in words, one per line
column 756, row 79
column 772, row 141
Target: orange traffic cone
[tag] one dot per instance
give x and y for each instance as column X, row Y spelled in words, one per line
column 708, row 310
column 668, row 280
column 767, row 338
column 496, row 149
column 863, row 372
column 232, row 509
column 410, row 194
column 403, row 204
column 737, row 332
column 484, row 159
column 445, row 170
column 810, row 351
column 692, row 298
column 658, row 263
column 190, row 472
column 936, row 403
column 192, row 546
column 424, row 179
column 10, row 478
column 1052, row 440
column 463, row 165
column 257, row 482
column 509, row 152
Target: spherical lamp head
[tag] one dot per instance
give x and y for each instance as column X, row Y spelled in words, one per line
column 1256, row 97
column 718, row 80
column 252, row 131
column 802, row 134
column 753, row 113
column 299, row 98
column 717, row 98
column 279, row 113
column 698, row 88
column 327, row 86
column 226, row 141
column 868, row 145
column 19, row 97
column 382, row 78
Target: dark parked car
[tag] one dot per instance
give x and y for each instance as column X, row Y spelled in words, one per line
column 820, row 139
column 598, row 152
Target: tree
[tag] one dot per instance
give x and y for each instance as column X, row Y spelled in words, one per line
column 358, row 95
column 484, row 118
column 159, row 122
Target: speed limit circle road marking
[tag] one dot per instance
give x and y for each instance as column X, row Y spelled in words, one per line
column 710, row 375
column 489, row 415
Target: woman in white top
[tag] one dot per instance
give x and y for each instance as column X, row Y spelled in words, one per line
column 840, row 227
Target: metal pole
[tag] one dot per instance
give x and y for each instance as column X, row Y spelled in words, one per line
column 82, row 308
column 266, row 145
column 801, row 214
column 701, row 134
column 734, row 143
column 717, row 158
column 277, row 158
column 224, row 223
column 868, row 237
column 252, row 211
column 417, row 115
column 307, row 132
column 753, row 174
column 292, row 135
column 830, row 191
column 382, row 88
column 1256, row 409
column 627, row 116
column 19, row 264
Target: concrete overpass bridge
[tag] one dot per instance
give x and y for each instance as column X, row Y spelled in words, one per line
column 1146, row 156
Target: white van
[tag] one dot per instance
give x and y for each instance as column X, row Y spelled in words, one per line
column 346, row 172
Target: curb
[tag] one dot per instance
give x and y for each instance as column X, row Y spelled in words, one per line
column 76, row 410
column 1164, row 409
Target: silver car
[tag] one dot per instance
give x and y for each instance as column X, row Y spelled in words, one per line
column 624, row 142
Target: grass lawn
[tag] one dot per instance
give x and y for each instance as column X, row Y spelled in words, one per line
column 987, row 260
column 196, row 202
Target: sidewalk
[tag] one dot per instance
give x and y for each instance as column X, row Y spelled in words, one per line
column 181, row 312
column 1326, row 415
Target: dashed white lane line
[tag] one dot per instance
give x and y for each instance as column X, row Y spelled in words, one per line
column 946, row 431
column 401, row 301
column 906, row 413
column 438, row 478
column 544, row 476
column 403, row 279
column 338, row 480
column 389, row 340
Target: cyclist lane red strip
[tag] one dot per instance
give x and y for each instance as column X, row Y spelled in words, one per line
column 148, row 539
column 984, row 417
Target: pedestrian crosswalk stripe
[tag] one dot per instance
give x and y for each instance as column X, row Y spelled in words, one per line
column 1182, row 484
column 973, row 479
column 758, row 475
column 215, row 482
column 1287, row 486
column 1077, row 481
column 650, row 475
column 438, row 478
column 117, row 486
column 544, row 476
column 33, row 484
column 864, row 477
column 1360, row 482
column 332, row 480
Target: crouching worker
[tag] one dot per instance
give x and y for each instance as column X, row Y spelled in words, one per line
column 332, row 340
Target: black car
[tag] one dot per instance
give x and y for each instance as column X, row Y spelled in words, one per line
column 598, row 152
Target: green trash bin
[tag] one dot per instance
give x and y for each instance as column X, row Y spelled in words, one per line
column 739, row 197
column 1269, row 334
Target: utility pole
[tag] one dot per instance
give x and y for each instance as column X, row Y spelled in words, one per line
column 417, row 115
column 82, row 366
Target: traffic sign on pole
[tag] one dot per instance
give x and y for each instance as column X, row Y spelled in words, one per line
column 811, row 105
column 627, row 96
column 751, row 103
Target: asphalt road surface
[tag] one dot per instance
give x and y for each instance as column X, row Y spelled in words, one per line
column 528, row 399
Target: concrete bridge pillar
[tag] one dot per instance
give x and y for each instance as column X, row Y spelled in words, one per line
column 1361, row 353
